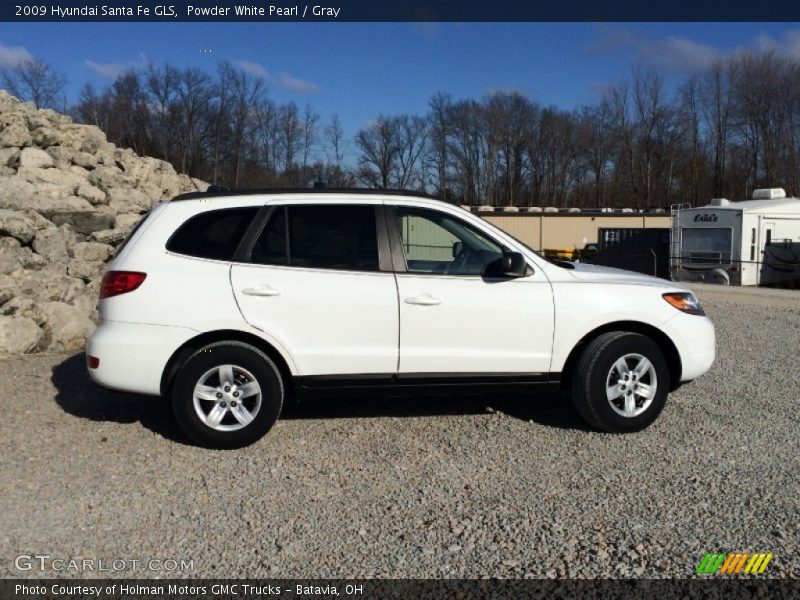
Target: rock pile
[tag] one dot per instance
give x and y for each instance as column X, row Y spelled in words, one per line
column 67, row 198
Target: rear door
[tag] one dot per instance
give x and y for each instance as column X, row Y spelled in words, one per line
column 318, row 282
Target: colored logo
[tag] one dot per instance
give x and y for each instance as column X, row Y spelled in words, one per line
column 743, row 563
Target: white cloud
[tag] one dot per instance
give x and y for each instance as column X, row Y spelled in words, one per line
column 673, row 53
column 678, row 54
column 682, row 54
column 11, row 57
column 787, row 45
column 112, row 70
column 297, row 85
column 252, row 68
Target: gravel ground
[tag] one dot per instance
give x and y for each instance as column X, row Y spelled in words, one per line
column 431, row 487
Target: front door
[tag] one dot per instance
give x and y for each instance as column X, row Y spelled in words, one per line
column 315, row 286
column 453, row 320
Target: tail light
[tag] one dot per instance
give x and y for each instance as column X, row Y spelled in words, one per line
column 115, row 283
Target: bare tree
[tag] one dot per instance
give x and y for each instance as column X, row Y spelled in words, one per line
column 379, row 147
column 36, row 81
column 310, row 133
column 715, row 103
column 336, row 148
column 645, row 143
column 439, row 117
column 291, row 134
column 412, row 136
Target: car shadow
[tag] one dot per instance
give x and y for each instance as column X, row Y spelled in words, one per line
column 78, row 395
column 544, row 406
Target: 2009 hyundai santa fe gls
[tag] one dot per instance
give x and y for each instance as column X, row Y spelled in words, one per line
column 230, row 302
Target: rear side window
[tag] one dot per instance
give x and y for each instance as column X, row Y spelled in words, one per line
column 320, row 237
column 214, row 234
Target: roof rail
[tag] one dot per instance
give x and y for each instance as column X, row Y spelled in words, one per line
column 218, row 190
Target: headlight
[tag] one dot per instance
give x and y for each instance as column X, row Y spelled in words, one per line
column 685, row 302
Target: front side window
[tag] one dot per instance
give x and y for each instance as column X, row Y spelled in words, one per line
column 214, row 234
column 320, row 237
column 436, row 243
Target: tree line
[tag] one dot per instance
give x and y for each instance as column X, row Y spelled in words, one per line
column 644, row 144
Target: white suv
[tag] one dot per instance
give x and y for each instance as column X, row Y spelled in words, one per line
column 231, row 302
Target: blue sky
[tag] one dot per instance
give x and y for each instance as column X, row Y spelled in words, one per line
column 360, row 70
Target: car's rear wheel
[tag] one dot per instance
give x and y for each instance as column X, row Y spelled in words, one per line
column 621, row 382
column 227, row 395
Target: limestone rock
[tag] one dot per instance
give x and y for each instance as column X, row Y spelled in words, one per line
column 108, row 178
column 85, row 160
column 14, row 257
column 41, row 286
column 44, row 137
column 22, row 306
column 52, row 245
column 9, row 157
column 64, row 179
column 92, row 251
column 128, row 200
column 62, row 157
column 16, row 225
column 109, row 236
column 83, row 138
column 86, row 270
column 14, row 131
column 67, row 197
column 66, row 327
column 83, row 221
column 91, row 193
column 127, row 221
column 35, row 158
column 6, row 294
column 19, row 335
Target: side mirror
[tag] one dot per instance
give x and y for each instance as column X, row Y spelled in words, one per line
column 511, row 264
column 457, row 247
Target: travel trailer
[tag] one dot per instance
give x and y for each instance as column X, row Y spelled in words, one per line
column 753, row 242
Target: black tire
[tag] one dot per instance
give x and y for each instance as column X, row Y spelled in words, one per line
column 591, row 373
column 264, row 372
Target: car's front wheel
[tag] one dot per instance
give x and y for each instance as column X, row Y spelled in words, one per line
column 621, row 382
column 227, row 395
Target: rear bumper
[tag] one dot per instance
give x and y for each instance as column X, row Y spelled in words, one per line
column 696, row 341
column 132, row 355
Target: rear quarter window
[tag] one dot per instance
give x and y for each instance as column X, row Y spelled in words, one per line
column 214, row 234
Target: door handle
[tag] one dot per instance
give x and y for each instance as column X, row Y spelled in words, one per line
column 423, row 300
column 261, row 291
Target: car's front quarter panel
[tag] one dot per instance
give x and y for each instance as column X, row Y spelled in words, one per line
column 583, row 307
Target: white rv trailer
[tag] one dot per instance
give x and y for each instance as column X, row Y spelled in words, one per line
column 753, row 242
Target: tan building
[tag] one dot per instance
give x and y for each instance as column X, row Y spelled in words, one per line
column 568, row 230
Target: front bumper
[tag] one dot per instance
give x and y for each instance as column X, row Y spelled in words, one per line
column 133, row 355
column 696, row 341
